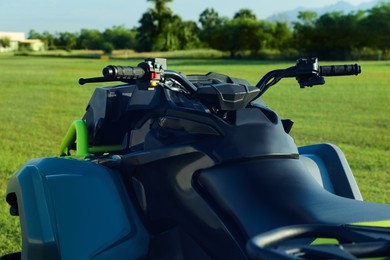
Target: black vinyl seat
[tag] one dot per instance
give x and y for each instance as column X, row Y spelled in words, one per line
column 260, row 195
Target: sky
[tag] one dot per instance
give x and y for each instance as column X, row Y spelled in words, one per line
column 74, row 15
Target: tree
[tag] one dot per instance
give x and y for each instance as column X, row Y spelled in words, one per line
column 376, row 27
column 209, row 19
column 120, row 37
column 244, row 35
column 5, row 42
column 331, row 36
column 303, row 31
column 167, row 36
column 282, row 37
column 161, row 30
column 90, row 39
column 161, row 5
column 32, row 34
column 146, row 32
column 308, row 17
column 65, row 40
column 188, row 33
column 211, row 27
column 245, row 13
column 238, row 35
column 155, row 32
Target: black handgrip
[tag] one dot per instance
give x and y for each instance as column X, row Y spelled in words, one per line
column 123, row 72
column 340, row 70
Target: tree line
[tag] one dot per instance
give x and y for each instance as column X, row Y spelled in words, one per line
column 333, row 35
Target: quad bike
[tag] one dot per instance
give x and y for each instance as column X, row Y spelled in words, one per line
column 169, row 166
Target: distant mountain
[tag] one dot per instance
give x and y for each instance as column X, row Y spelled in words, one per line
column 343, row 6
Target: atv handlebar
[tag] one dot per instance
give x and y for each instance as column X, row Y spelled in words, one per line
column 307, row 72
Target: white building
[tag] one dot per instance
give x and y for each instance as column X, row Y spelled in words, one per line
column 18, row 40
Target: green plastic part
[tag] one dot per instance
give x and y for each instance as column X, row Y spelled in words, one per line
column 77, row 133
column 104, row 148
column 324, row 241
column 383, row 223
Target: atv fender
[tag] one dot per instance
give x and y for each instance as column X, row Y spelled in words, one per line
column 328, row 165
column 73, row 209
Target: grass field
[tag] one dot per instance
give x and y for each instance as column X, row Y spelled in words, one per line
column 40, row 97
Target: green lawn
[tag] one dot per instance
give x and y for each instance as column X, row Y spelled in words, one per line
column 40, row 97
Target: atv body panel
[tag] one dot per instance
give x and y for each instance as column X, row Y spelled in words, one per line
column 72, row 209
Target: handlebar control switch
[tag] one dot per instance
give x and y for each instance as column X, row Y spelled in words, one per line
column 154, row 68
column 308, row 73
column 307, row 67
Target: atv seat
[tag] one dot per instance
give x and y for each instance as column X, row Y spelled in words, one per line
column 264, row 194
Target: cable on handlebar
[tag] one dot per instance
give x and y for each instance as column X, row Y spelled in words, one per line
column 273, row 77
